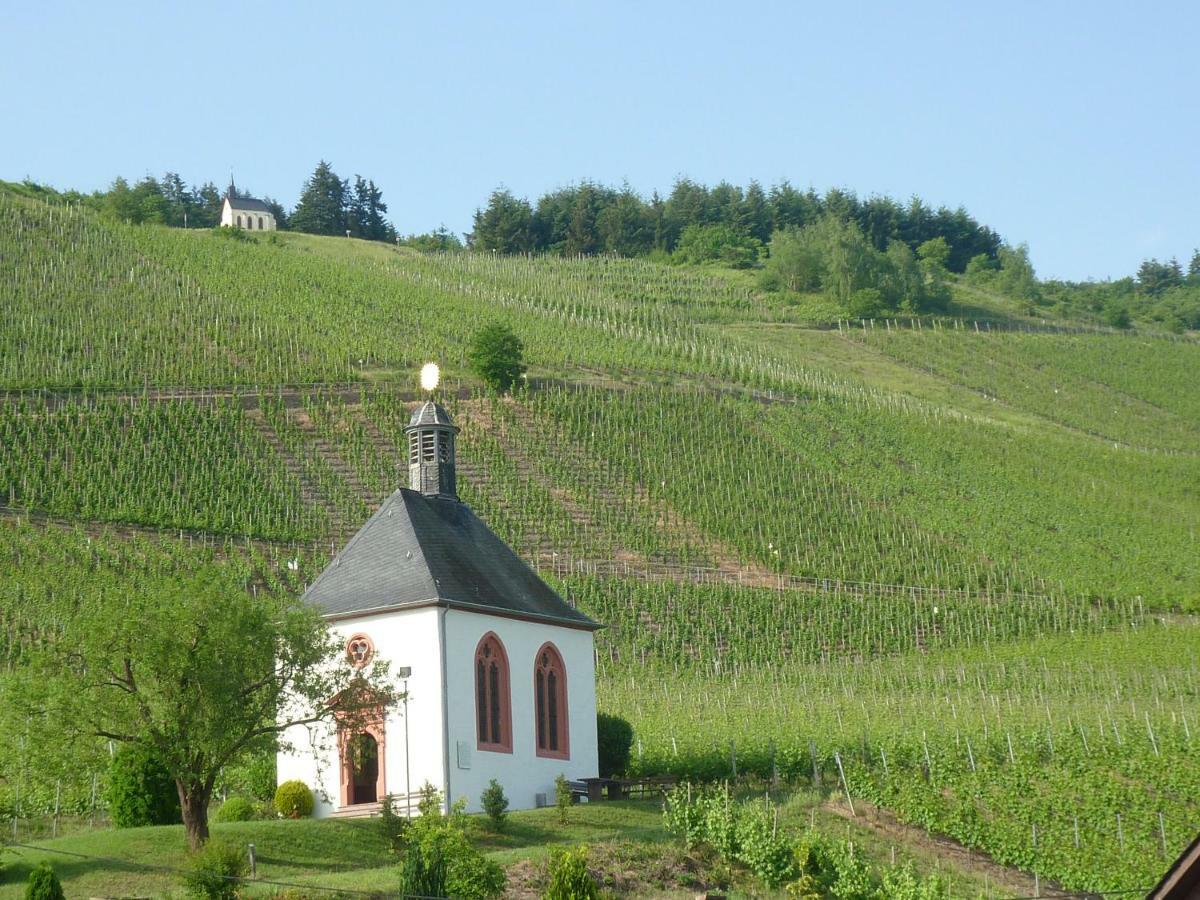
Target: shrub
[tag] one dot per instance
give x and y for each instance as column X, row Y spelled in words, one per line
column 140, row 790
column 293, row 800
column 472, row 876
column 213, row 871
column 231, row 233
column 236, row 809
column 423, row 874
column 255, row 777
column 763, row 848
column 865, row 303
column 614, row 739
column 393, row 827
column 495, row 804
column 569, row 878
column 562, row 797
column 43, row 884
column 440, row 861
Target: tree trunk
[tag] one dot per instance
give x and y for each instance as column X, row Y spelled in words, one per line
column 193, row 803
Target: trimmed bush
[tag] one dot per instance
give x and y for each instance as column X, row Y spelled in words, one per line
column 43, row 884
column 236, row 809
column 293, row 800
column 140, row 791
column 495, row 804
column 569, row 878
column 213, row 871
column 614, row 739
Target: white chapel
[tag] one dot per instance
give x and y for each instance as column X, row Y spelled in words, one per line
column 500, row 669
column 245, row 212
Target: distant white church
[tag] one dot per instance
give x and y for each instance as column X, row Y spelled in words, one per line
column 501, row 670
column 245, row 212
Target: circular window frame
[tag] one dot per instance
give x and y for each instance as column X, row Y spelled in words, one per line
column 368, row 655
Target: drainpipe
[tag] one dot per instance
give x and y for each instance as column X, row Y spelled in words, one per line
column 445, row 709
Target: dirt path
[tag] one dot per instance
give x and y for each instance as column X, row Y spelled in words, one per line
column 1002, row 880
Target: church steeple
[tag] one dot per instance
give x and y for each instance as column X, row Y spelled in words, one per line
column 431, row 468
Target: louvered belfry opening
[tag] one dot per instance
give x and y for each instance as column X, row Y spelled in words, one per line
column 431, row 468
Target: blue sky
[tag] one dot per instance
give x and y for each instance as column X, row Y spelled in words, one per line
column 1070, row 126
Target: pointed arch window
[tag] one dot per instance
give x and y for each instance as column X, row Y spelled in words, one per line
column 550, row 703
column 239, row 221
column 260, row 223
column 493, row 709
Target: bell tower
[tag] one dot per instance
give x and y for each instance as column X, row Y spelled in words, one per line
column 431, row 431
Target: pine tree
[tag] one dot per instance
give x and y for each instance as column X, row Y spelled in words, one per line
column 365, row 215
column 323, row 203
column 505, row 226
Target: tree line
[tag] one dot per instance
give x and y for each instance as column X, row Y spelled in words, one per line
column 725, row 223
column 1162, row 293
column 328, row 204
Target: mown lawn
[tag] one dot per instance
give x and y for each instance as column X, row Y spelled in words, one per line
column 351, row 854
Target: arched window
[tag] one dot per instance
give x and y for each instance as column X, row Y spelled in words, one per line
column 550, row 703
column 249, row 223
column 493, row 711
column 239, row 221
column 260, row 225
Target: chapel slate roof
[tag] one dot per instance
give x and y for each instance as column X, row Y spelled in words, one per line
column 248, row 204
column 420, row 550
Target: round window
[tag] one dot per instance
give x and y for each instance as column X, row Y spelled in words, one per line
column 359, row 650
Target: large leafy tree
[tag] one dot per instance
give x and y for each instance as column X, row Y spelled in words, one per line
column 496, row 356
column 188, row 665
column 323, row 203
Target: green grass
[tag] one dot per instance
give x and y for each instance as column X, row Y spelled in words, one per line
column 330, row 853
column 286, row 851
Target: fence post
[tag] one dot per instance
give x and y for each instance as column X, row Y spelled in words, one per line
column 57, row 807
column 253, row 861
column 842, row 772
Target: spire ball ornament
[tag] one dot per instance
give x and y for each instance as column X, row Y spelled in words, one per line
column 430, row 376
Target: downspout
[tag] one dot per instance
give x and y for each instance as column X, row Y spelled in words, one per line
column 445, row 709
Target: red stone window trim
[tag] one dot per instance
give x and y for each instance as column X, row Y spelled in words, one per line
column 551, row 734
column 493, row 706
column 360, row 650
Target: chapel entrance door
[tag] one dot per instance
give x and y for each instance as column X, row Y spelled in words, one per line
column 364, row 762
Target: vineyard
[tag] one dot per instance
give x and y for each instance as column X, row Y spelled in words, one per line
column 947, row 570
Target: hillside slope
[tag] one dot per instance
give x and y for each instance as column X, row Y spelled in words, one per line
column 962, row 549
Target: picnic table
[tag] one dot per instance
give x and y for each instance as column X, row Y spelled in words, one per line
column 596, row 789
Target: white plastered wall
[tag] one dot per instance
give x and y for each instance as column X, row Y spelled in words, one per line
column 403, row 639
column 522, row 773
column 229, row 218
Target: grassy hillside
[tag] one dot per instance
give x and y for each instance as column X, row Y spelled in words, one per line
column 957, row 559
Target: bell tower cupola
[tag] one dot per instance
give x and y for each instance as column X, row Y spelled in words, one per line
column 431, row 432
